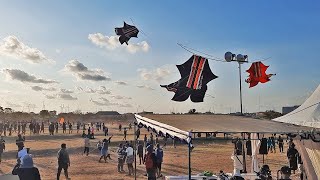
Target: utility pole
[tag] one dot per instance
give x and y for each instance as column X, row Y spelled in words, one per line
column 240, row 59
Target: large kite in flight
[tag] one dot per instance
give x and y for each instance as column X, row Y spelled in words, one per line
column 126, row 32
column 195, row 74
column 257, row 73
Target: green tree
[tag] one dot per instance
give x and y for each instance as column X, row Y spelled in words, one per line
column 270, row 114
column 8, row 110
column 44, row 113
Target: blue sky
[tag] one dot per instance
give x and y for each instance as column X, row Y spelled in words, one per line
column 287, row 32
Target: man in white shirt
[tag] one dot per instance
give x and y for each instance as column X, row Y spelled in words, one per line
column 129, row 152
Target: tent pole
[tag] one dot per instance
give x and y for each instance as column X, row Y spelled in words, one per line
column 244, row 154
column 240, row 89
column 189, row 156
column 134, row 152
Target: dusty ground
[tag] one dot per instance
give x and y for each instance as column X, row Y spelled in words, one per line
column 213, row 156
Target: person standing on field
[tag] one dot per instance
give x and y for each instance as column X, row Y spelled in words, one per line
column 150, row 161
column 140, row 152
column 159, row 155
column 2, row 147
column 63, row 161
column 86, row 145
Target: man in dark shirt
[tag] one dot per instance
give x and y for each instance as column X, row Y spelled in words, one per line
column 280, row 142
column 140, row 151
column 138, row 133
column 125, row 134
column 64, row 127
column 20, row 142
column 63, row 161
column 2, row 147
column 42, row 127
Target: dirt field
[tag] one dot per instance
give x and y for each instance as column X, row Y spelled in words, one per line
column 210, row 156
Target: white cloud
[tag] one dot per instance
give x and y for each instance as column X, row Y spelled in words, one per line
column 90, row 90
column 63, row 96
column 103, row 102
column 12, row 105
column 79, row 88
column 125, row 105
column 66, row 91
column 101, row 40
column 142, row 46
column 120, row 97
column 39, row 88
column 50, row 96
column 16, row 74
column 100, row 90
column 121, row 83
column 112, row 42
column 157, row 74
column 82, row 72
column 103, row 90
column 66, row 97
column 145, row 87
column 13, row 47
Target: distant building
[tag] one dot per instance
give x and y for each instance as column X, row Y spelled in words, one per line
column 288, row 109
column 107, row 113
column 146, row 112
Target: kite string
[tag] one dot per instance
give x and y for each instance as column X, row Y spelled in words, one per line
column 139, row 29
column 191, row 51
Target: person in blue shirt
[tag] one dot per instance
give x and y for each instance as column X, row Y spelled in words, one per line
column 159, row 155
column 270, row 145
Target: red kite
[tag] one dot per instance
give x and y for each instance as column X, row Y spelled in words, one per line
column 257, row 73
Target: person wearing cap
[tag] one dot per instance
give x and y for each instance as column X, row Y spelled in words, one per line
column 63, row 161
column 26, row 170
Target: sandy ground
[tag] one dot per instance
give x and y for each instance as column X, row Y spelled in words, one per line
column 210, row 156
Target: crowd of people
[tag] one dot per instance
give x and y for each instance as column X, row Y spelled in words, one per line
column 149, row 153
column 148, row 150
column 7, row 128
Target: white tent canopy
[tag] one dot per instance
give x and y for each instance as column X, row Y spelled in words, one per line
column 162, row 128
column 308, row 114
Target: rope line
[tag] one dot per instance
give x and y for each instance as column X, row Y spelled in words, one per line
column 139, row 29
column 191, row 51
